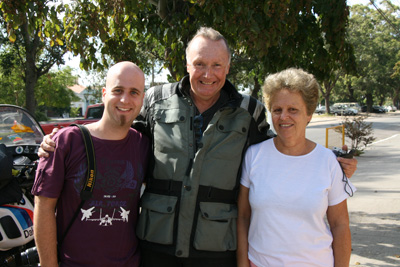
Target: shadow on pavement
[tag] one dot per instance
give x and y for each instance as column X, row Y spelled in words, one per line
column 375, row 237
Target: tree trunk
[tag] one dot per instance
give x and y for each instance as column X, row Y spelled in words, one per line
column 369, row 101
column 31, row 78
column 350, row 89
column 396, row 98
column 327, row 96
column 257, row 88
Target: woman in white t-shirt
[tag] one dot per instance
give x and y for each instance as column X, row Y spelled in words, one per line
column 290, row 184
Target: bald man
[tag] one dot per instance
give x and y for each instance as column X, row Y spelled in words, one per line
column 103, row 233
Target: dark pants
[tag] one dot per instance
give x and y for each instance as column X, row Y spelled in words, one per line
column 156, row 259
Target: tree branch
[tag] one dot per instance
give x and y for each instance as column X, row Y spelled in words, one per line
column 153, row 2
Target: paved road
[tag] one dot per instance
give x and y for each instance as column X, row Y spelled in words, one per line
column 375, row 208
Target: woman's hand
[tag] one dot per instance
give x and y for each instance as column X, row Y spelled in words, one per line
column 349, row 166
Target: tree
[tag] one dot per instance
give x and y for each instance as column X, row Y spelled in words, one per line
column 247, row 74
column 396, row 91
column 326, row 89
column 11, row 80
column 33, row 32
column 376, row 45
column 272, row 34
column 51, row 90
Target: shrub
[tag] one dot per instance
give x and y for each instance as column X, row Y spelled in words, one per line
column 74, row 112
column 40, row 116
column 360, row 133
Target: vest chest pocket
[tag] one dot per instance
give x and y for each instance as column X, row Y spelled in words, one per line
column 156, row 220
column 229, row 137
column 216, row 227
column 170, row 142
column 170, row 126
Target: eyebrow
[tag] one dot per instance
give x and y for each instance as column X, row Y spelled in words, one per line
column 129, row 88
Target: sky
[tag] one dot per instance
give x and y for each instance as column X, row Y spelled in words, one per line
column 73, row 62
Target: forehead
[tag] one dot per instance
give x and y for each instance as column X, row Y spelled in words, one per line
column 205, row 49
column 126, row 80
column 285, row 96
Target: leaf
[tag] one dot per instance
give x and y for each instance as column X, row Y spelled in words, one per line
column 266, row 7
column 59, row 42
column 12, row 37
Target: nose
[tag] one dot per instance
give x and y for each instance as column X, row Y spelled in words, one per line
column 208, row 71
column 284, row 114
column 125, row 97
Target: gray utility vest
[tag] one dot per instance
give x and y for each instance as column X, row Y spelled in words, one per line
column 189, row 205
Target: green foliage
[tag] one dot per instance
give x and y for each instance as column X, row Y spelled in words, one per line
column 273, row 34
column 396, row 68
column 74, row 112
column 40, row 116
column 32, row 31
column 93, row 94
column 359, row 132
column 376, row 45
column 265, row 36
column 12, row 89
column 51, row 90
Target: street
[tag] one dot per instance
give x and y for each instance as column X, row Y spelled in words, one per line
column 375, row 207
column 384, row 125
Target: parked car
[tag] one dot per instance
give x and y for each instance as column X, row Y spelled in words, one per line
column 378, row 109
column 375, row 109
column 351, row 111
column 343, row 110
column 320, row 110
column 353, row 105
column 390, row 108
column 93, row 113
column 364, row 109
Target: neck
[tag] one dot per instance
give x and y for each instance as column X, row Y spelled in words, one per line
column 102, row 130
column 203, row 104
column 294, row 148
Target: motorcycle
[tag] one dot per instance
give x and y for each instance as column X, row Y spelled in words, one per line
column 20, row 138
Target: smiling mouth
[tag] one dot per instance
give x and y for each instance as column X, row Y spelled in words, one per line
column 209, row 83
column 285, row 125
column 123, row 109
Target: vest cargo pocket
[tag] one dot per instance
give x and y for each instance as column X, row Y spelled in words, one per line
column 156, row 220
column 216, row 227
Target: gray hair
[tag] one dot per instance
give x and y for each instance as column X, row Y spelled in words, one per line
column 210, row 34
column 294, row 80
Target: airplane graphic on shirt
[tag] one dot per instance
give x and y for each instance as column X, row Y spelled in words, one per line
column 106, row 219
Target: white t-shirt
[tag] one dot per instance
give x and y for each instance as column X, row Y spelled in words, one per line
column 289, row 198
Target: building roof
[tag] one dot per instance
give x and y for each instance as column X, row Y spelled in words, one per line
column 77, row 88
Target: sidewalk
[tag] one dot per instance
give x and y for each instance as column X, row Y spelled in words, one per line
column 375, row 207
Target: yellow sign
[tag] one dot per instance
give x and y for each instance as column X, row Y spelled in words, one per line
column 19, row 128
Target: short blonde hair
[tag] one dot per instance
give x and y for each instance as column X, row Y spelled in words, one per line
column 211, row 34
column 294, row 80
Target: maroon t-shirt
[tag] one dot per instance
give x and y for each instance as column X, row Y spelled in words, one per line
column 103, row 234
